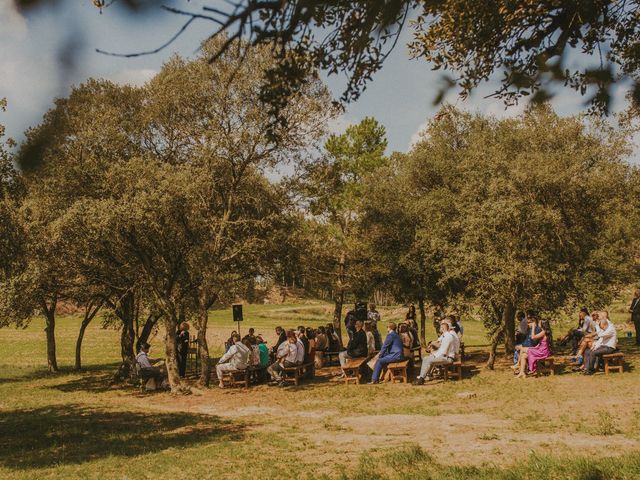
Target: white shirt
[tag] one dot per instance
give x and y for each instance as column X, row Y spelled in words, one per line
column 456, row 342
column 447, row 346
column 587, row 324
column 143, row 360
column 607, row 337
column 289, row 351
column 237, row 356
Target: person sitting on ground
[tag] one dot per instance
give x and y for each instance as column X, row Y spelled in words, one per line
column 236, row 358
column 335, row 344
column 371, row 341
column 390, row 352
column 586, row 325
column 286, row 357
column 147, row 370
column 406, row 338
column 606, row 343
column 530, row 356
column 373, row 316
column 444, row 355
column 302, row 336
column 229, row 343
column 282, row 338
column 530, row 338
column 357, row 346
column 182, row 348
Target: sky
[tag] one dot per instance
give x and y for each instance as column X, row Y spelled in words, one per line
column 400, row 96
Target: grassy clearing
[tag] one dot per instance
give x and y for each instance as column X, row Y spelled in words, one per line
column 491, row 425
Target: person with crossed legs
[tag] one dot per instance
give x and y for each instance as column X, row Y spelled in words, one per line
column 444, row 355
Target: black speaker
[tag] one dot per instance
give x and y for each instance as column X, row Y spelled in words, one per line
column 237, row 313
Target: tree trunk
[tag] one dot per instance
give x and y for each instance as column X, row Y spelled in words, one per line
column 89, row 314
column 203, row 347
column 495, row 340
column 126, row 313
column 339, row 299
column 509, row 323
column 151, row 322
column 50, row 329
column 423, row 322
column 176, row 383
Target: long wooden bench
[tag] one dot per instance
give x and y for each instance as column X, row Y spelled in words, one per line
column 294, row 374
column 398, row 371
column 613, row 362
column 546, row 367
column 352, row 370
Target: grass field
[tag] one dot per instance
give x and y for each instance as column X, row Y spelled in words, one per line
column 490, row 425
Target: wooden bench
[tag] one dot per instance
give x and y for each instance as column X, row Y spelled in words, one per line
column 416, row 354
column 294, row 374
column 546, row 367
column 398, row 371
column 236, row 378
column 352, row 370
column 453, row 370
column 613, row 362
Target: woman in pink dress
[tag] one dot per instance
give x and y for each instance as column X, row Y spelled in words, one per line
column 530, row 356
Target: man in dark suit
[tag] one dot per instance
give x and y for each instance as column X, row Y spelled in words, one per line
column 634, row 309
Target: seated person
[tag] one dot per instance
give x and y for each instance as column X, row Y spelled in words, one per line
column 229, row 342
column 335, row 344
column 530, row 339
column 444, row 355
column 374, row 317
column 530, row 356
column 357, row 346
column 390, row 352
column 264, row 352
column 282, row 338
column 252, row 344
column 407, row 340
column 587, row 341
column 371, row 341
column 606, row 343
column 304, row 340
column 237, row 358
column 321, row 346
column 147, row 370
column 251, row 335
column 286, row 357
column 586, row 325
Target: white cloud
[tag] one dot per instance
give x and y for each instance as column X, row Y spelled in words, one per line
column 136, row 77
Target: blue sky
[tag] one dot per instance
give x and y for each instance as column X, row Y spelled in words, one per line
column 400, row 96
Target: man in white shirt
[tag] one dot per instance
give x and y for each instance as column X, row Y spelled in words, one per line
column 146, row 370
column 286, row 356
column 606, row 342
column 236, row 358
column 445, row 355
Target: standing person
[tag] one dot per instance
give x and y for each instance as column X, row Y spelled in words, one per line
column 373, row 316
column 182, row 348
column 411, row 313
column 606, row 342
column 237, row 358
column 390, row 352
column 444, row 355
column 634, row 309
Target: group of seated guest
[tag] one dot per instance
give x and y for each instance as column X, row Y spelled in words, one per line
column 574, row 336
column 603, row 340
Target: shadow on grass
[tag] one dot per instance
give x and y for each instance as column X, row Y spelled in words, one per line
column 40, row 373
column 72, row 434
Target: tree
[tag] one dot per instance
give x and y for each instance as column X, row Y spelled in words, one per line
column 333, row 189
column 529, row 212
